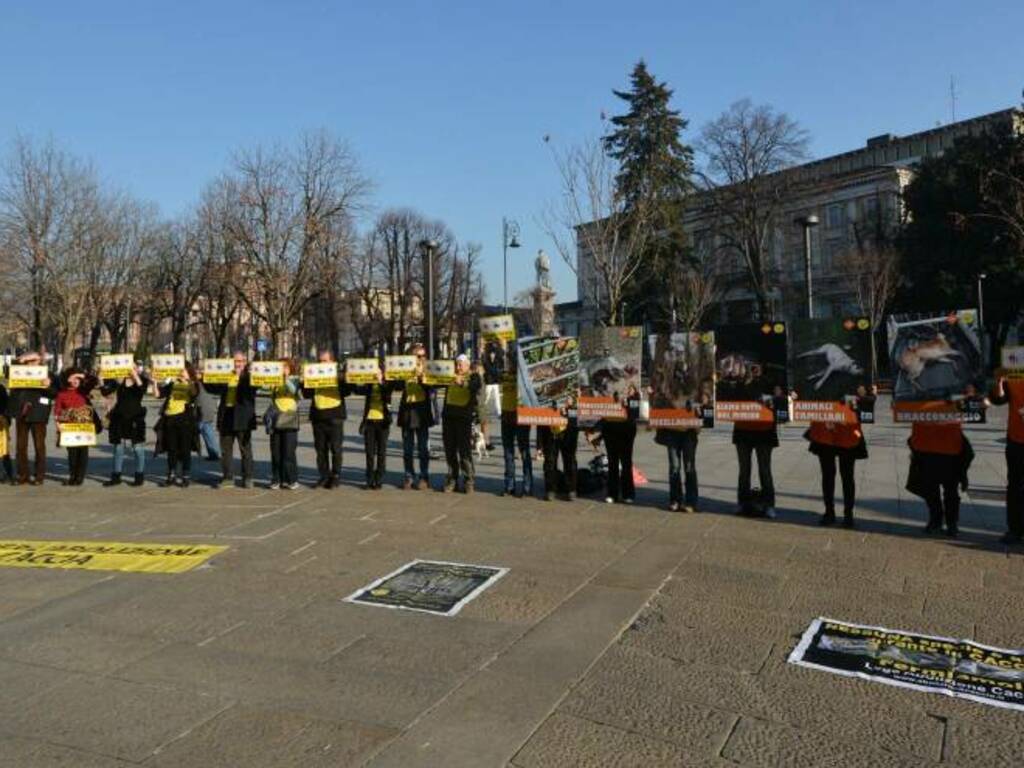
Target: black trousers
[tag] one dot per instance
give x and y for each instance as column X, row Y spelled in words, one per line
column 38, row 432
column 618, row 441
column 744, row 452
column 375, row 436
column 547, row 445
column 457, row 434
column 78, row 464
column 327, row 439
column 284, row 468
column 828, row 460
column 942, row 491
column 567, row 442
column 227, row 454
column 1015, row 488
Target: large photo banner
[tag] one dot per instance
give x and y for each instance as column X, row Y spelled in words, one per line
column 682, row 379
column 961, row 668
column 937, row 366
column 830, row 368
column 548, row 369
column 750, row 366
column 610, row 360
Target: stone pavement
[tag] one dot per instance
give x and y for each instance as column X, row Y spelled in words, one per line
column 621, row 636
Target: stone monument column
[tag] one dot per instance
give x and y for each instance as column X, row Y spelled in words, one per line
column 543, row 296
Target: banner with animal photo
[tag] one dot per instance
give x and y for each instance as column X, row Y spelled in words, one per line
column 610, row 359
column 682, row 379
column 362, row 370
column 439, row 373
column 118, row 366
column 76, row 435
column 400, row 367
column 498, row 328
column 28, row 377
column 830, row 368
column 750, row 367
column 937, row 366
column 548, row 372
column 320, row 375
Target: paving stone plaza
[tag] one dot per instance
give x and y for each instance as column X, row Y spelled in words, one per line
column 620, row 636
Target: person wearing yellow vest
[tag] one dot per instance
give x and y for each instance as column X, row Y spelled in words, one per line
column 178, row 428
column 514, row 436
column 283, row 431
column 375, row 427
column 1011, row 392
column 940, row 456
column 843, row 444
column 457, row 426
column 236, row 419
column 327, row 415
column 416, row 417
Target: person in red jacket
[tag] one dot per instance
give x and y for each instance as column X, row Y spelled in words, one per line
column 940, row 455
column 73, row 405
column 843, row 444
column 1012, row 393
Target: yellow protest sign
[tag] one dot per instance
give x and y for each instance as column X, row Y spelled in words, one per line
column 498, row 328
column 219, row 370
column 320, row 375
column 105, row 555
column 74, row 435
column 28, row 377
column 167, row 366
column 269, row 374
column 400, row 367
column 362, row 370
column 439, row 373
column 1013, row 362
column 116, row 366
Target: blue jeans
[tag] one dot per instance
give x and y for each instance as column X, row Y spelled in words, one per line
column 209, row 439
column 513, row 436
column 416, row 442
column 138, row 450
column 682, row 462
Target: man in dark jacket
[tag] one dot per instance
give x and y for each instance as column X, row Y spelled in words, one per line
column 29, row 410
column 327, row 414
column 416, row 417
column 236, row 419
column 457, row 426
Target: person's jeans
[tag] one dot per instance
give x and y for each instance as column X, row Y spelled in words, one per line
column 38, row 432
column 227, row 454
column 744, row 452
column 682, row 463
column 139, row 453
column 1015, row 488
column 514, row 436
column 206, row 430
column 284, row 468
column 416, row 443
column 327, row 439
column 828, row 460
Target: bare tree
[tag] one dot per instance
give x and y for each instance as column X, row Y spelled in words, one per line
column 745, row 152
column 600, row 234
column 695, row 288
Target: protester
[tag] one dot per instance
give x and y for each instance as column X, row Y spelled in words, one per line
column 940, row 456
column 1011, row 392
column 5, row 437
column 127, row 423
column 619, row 436
column 207, row 405
column 178, row 431
column 415, row 418
column 681, row 444
column 558, row 443
column 327, row 415
column 29, row 410
column 758, row 438
column 282, row 423
column 236, row 419
column 73, row 405
column 514, row 436
column 375, row 427
column 457, row 426
column 843, row 444
column 491, row 367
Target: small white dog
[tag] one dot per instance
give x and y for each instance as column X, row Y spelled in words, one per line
column 479, row 443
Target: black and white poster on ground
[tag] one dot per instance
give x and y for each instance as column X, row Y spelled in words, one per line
column 429, row 586
column 961, row 668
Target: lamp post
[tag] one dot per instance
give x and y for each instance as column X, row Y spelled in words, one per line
column 981, row 301
column 807, row 223
column 428, row 247
column 509, row 239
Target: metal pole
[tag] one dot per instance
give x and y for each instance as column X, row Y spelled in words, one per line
column 428, row 247
column 807, row 271
column 981, row 302
column 504, row 256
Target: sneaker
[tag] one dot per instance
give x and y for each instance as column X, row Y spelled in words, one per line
column 274, row 486
column 673, row 507
column 292, row 486
column 769, row 512
column 690, row 509
column 609, row 500
column 407, row 485
column 627, row 501
column 449, row 486
column 185, row 482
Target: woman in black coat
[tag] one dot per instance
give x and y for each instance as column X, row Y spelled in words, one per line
column 179, row 425
column 127, row 423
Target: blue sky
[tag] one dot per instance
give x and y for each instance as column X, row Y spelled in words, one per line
column 446, row 103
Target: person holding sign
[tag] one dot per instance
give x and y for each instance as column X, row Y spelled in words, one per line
column 179, row 424
column 73, row 406
column 29, row 408
column 416, row 417
column 940, row 456
column 282, row 422
column 327, row 414
column 514, row 436
column 457, row 426
column 236, row 419
column 5, row 436
column 375, row 426
column 1011, row 392
column 619, row 436
column 832, row 443
column 127, row 423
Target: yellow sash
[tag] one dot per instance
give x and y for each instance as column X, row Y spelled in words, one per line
column 376, row 410
column 179, row 398
column 414, row 392
column 285, row 400
column 457, row 395
column 232, row 396
column 327, row 399
column 509, row 396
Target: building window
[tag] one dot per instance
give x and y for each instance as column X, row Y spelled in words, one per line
column 836, row 216
column 870, row 205
column 835, row 255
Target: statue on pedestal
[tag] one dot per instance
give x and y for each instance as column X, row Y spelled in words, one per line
column 543, row 296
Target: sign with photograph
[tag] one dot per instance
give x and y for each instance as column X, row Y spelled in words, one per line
column 1013, row 362
column 548, row 369
column 320, row 375
column 750, row 365
column 117, row 366
column 28, row 377
column 610, row 361
column 219, row 370
column 167, row 366
column 429, row 586
column 266, row 374
column 829, row 367
column 498, row 328
column 400, row 367
column 682, row 379
column 961, row 668
column 362, row 370
column 439, row 373
column 75, row 435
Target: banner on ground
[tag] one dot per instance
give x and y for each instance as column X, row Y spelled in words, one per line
column 548, row 370
column 400, row 367
column 266, row 373
column 28, row 377
column 682, row 379
column 362, row 370
column 105, row 555
column 319, row 375
column 167, row 365
column 1013, row 362
column 429, row 586
column 751, row 377
column 439, row 373
column 498, row 328
column 937, row 362
column 610, row 359
column 75, row 435
column 118, row 366
column 960, row 668
column 830, row 368
column 219, row 370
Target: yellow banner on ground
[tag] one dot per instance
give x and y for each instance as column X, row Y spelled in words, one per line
column 105, row 555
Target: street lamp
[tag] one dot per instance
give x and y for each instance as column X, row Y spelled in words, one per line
column 808, row 222
column 509, row 239
column 428, row 247
column 981, row 301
